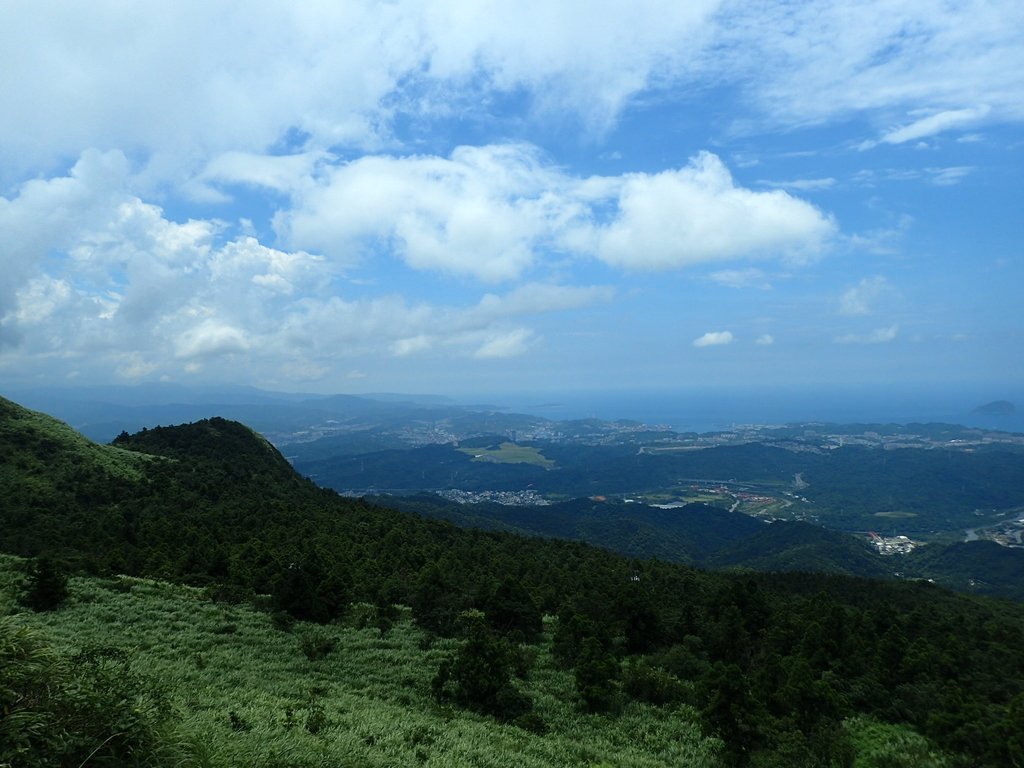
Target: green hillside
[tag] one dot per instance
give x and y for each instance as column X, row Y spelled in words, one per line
column 518, row 649
column 926, row 492
column 689, row 534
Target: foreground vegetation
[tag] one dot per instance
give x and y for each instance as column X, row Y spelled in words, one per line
column 194, row 682
column 322, row 631
column 238, row 691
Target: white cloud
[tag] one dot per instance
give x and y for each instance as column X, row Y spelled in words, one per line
column 211, row 338
column 803, row 185
column 697, row 214
column 577, row 56
column 482, row 212
column 877, row 336
column 189, row 82
column 282, row 173
column 40, row 298
column 411, row 345
column 859, row 299
column 714, row 339
column 947, row 177
column 195, row 86
column 47, row 215
column 812, row 62
column 535, row 298
column 765, row 340
column 937, row 123
column 490, row 212
column 134, row 367
column 109, row 282
column 508, row 344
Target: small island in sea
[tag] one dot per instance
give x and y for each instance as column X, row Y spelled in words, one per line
column 997, row 408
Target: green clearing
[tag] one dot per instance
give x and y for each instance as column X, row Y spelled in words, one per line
column 895, row 515
column 510, row 453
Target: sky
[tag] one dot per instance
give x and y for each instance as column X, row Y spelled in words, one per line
column 464, row 196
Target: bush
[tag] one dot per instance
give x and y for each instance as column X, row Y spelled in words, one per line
column 479, row 677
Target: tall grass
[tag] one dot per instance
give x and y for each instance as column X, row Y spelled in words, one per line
column 247, row 694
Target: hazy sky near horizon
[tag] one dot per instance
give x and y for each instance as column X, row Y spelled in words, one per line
column 459, row 196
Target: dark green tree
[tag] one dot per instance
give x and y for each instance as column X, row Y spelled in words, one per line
column 596, row 674
column 479, row 677
column 309, row 591
column 47, row 585
column 510, row 609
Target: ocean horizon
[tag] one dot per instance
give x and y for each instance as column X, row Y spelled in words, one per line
column 717, row 410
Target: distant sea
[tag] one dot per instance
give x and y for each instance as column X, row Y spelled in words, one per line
column 697, row 410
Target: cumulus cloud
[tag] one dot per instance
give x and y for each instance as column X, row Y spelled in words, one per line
column 481, row 212
column 765, row 340
column 411, row 345
column 877, row 336
column 110, row 281
column 859, row 299
column 210, row 338
column 714, row 339
column 487, row 212
column 698, row 214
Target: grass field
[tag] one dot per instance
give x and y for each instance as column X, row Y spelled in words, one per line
column 511, row 453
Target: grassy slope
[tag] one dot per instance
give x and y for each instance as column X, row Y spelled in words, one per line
column 373, row 690
column 33, row 431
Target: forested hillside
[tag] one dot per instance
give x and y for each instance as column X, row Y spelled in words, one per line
column 851, row 488
column 783, row 669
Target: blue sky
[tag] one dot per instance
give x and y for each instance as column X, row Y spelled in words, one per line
column 463, row 197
